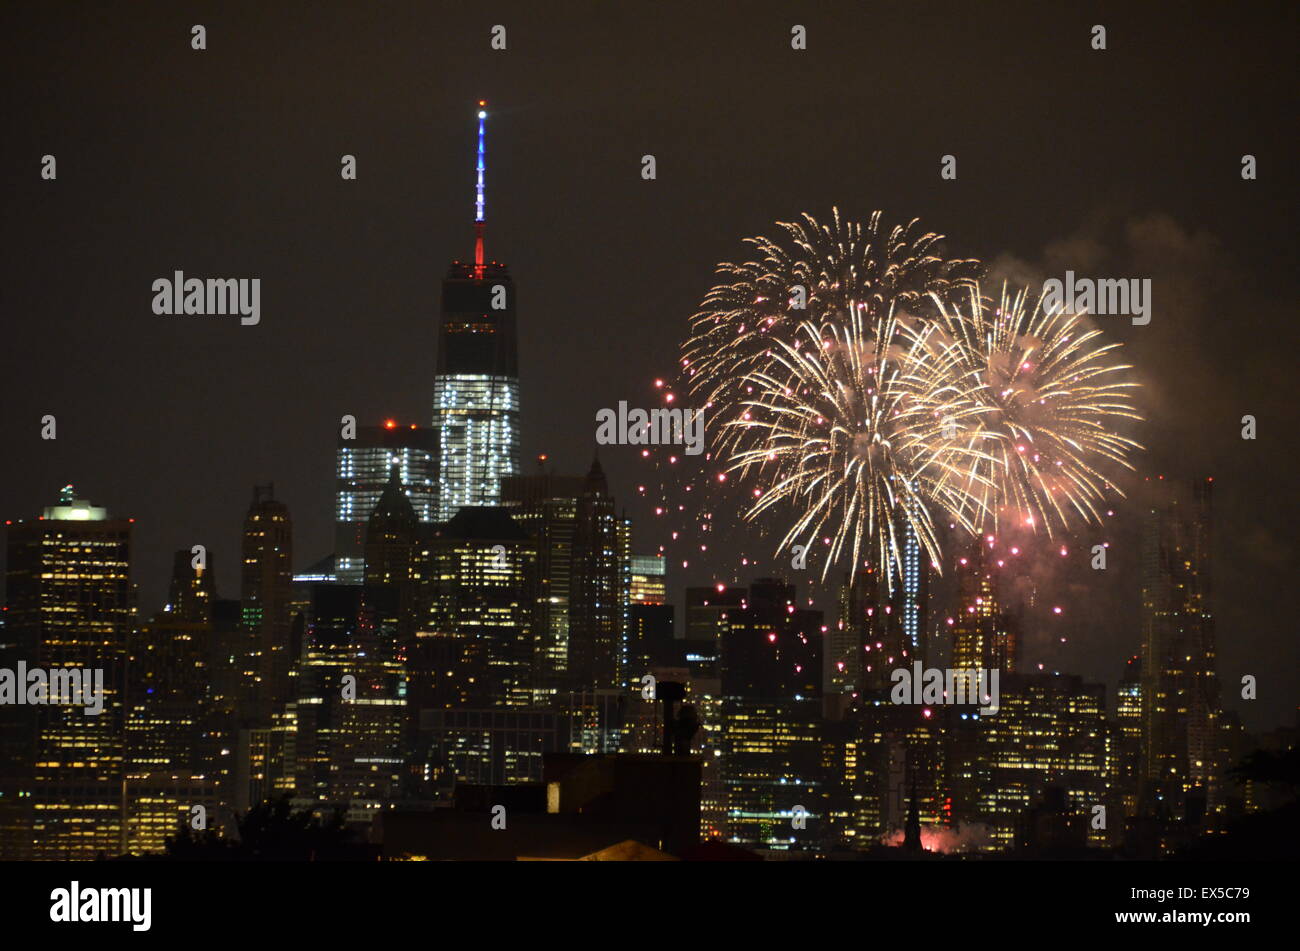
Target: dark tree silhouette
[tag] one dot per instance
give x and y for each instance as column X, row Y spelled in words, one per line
column 1270, row 768
column 272, row 831
column 1269, row 834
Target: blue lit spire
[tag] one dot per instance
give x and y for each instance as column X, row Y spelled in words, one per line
column 482, row 135
column 479, row 200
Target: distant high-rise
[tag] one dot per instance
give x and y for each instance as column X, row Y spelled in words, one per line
column 1180, row 692
column 475, row 647
column 880, row 628
column 492, row 746
column 70, row 609
column 351, row 703
column 913, row 600
column 602, row 577
column 476, row 390
column 168, row 692
column 172, row 736
column 771, row 736
column 650, row 639
column 648, row 579
column 391, row 536
column 1128, row 716
column 265, row 579
column 1049, row 731
column 984, row 635
column 582, row 595
column 546, row 505
column 193, row 587
column 363, row 469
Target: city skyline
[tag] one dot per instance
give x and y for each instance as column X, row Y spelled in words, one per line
column 603, row 268
column 959, row 572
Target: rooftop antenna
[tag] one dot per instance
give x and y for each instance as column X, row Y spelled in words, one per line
column 478, row 193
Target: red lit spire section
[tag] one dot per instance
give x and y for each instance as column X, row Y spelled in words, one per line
column 479, row 200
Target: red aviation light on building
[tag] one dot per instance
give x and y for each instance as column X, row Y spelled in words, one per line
column 390, row 424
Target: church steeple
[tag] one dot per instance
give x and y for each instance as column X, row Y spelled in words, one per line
column 912, row 828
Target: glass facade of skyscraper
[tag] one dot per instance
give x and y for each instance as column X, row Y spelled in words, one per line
column 477, row 417
column 363, row 468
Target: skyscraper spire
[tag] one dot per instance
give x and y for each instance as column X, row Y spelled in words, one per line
column 479, row 200
column 476, row 389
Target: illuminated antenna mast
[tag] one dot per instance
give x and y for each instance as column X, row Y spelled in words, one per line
column 478, row 194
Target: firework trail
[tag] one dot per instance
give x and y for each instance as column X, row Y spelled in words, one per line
column 857, row 382
column 854, row 431
column 1051, row 399
column 800, row 353
column 818, row 272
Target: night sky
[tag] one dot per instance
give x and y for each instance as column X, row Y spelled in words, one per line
column 225, row 163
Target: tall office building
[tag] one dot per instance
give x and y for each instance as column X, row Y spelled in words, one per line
column 1180, row 691
column 880, row 627
column 475, row 649
column 913, row 598
column 363, row 468
column 171, row 734
column 650, row 641
column 771, row 737
column 546, row 505
column 884, row 759
column 871, row 639
column 192, row 590
column 1049, row 732
column 984, row 635
column 70, row 610
column 494, row 746
column 707, row 611
column 582, row 595
column 649, row 585
column 601, row 579
column 1128, row 717
column 391, row 536
column 167, row 708
column 265, row 579
column 351, row 704
column 476, row 390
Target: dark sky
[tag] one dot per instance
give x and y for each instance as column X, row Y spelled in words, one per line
column 226, row 163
